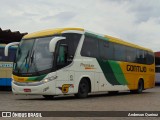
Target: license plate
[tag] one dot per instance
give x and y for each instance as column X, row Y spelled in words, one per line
column 27, row 90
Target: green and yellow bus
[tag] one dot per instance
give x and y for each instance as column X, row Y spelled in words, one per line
column 75, row 61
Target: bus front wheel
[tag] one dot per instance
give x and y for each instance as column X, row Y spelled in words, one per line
column 83, row 89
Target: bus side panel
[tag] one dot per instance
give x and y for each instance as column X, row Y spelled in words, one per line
column 64, row 87
column 2, row 77
column 134, row 72
column 2, row 81
column 5, row 81
column 80, row 75
column 112, row 77
column 5, row 76
column 102, row 74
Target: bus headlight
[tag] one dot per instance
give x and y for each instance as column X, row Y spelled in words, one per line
column 35, row 83
column 45, row 80
column 49, row 79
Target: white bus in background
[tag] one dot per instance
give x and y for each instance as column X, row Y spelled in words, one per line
column 6, row 65
column 157, row 74
column 157, row 67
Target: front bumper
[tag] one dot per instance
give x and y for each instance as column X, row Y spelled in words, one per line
column 42, row 89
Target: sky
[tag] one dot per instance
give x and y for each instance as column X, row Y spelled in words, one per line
column 135, row 21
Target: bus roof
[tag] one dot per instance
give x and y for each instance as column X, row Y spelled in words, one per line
column 119, row 41
column 116, row 40
column 50, row 32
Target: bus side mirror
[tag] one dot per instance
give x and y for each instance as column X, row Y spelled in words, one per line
column 53, row 42
column 9, row 45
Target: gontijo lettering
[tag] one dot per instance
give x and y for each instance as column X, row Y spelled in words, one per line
column 136, row 68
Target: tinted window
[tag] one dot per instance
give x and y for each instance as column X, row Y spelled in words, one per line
column 114, row 51
column 150, row 58
column 66, row 49
column 140, row 58
column 72, row 40
column 62, row 54
column 10, row 57
column 90, row 47
column 11, row 54
column 130, row 54
column 157, row 69
column 119, row 52
column 106, row 50
column 1, row 54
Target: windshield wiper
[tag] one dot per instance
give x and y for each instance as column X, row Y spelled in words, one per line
column 31, row 61
column 25, row 60
column 16, row 59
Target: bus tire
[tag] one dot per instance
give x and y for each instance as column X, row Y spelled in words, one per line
column 83, row 89
column 140, row 87
column 48, row 97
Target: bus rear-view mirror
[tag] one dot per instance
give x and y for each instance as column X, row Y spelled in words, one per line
column 9, row 45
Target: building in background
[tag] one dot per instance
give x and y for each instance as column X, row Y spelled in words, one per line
column 6, row 63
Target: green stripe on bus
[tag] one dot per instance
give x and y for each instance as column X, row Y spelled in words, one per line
column 96, row 36
column 108, row 72
column 90, row 34
column 36, row 78
column 118, row 72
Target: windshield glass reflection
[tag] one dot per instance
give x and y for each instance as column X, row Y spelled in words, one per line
column 33, row 56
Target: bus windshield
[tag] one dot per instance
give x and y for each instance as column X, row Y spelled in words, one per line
column 33, row 56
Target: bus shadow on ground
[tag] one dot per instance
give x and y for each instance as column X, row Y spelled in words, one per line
column 91, row 96
column 5, row 88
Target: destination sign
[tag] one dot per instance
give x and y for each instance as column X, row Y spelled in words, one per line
column 6, row 65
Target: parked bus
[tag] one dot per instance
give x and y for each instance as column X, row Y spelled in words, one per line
column 157, row 74
column 75, row 61
column 6, row 64
column 157, row 65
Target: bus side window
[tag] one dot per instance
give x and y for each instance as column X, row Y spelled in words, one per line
column 106, row 50
column 66, row 49
column 62, row 54
column 131, row 54
column 150, row 58
column 1, row 54
column 119, row 52
column 12, row 53
column 140, row 56
column 90, row 47
column 72, row 40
